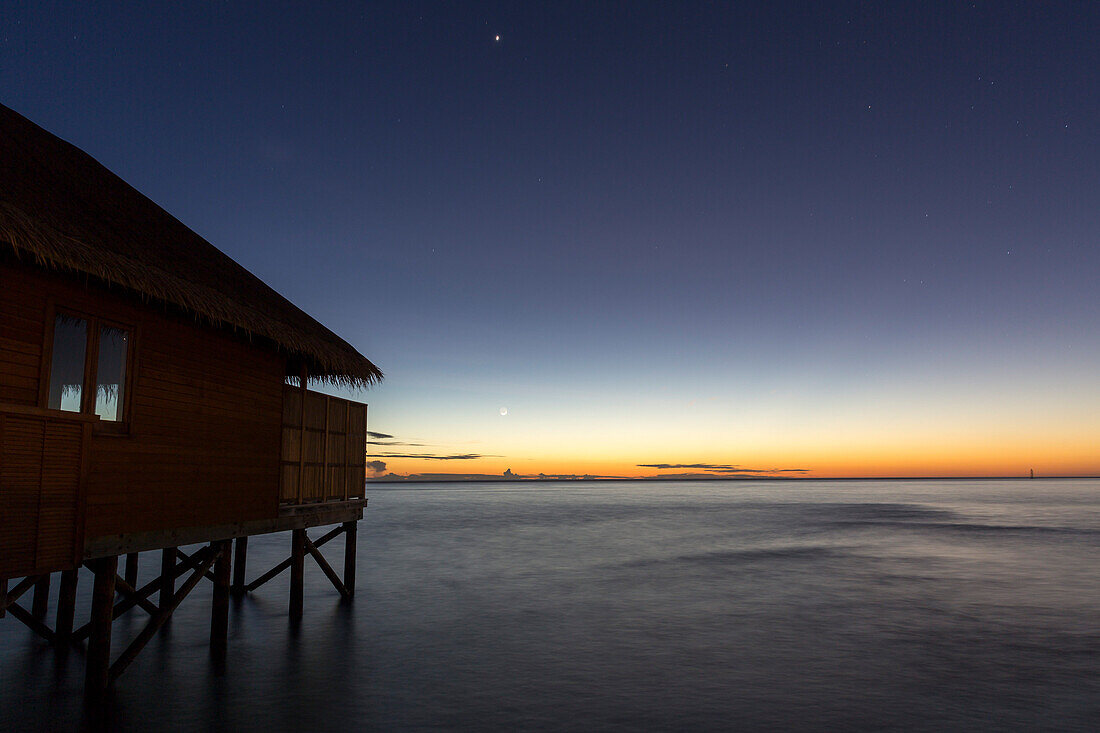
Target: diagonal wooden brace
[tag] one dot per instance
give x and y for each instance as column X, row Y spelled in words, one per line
column 162, row 615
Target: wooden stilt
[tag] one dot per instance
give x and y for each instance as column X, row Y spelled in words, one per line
column 41, row 596
column 349, row 557
column 240, row 557
column 297, row 573
column 3, row 597
column 168, row 576
column 97, row 671
column 66, row 605
column 131, row 575
column 219, row 610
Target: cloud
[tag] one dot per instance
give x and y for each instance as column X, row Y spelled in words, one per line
column 721, row 468
column 445, row 477
column 376, row 467
column 388, row 440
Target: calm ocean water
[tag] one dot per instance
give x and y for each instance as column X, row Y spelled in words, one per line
column 864, row 605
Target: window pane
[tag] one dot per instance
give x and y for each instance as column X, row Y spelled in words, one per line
column 70, row 340
column 111, row 373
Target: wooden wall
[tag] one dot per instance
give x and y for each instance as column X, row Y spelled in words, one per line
column 21, row 314
column 324, row 448
column 204, row 433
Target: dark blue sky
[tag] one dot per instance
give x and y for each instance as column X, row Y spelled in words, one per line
column 618, row 204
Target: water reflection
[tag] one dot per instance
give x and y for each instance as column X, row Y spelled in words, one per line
column 764, row 606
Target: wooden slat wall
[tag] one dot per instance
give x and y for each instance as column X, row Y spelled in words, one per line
column 41, row 461
column 21, row 314
column 324, row 448
column 205, row 416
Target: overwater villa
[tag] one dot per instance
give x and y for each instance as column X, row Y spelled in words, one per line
column 153, row 396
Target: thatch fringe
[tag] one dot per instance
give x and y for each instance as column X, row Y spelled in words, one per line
column 328, row 362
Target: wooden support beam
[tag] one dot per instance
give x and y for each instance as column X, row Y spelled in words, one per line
column 3, row 596
column 326, row 568
column 350, row 537
column 189, row 561
column 219, row 608
column 174, row 571
column 41, row 600
column 127, row 591
column 98, row 659
column 31, row 622
column 20, row 588
column 324, row 449
column 167, row 576
column 290, row 517
column 131, row 576
column 268, row 575
column 297, row 573
column 239, row 561
column 286, row 563
column 303, row 383
column 66, row 606
column 157, row 621
column 347, row 472
column 331, row 534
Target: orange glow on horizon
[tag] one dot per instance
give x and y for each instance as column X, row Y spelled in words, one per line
column 817, row 465
column 864, row 444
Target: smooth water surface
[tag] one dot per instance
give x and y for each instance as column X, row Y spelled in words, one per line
column 749, row 605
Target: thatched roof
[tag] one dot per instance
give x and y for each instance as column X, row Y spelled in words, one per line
column 60, row 208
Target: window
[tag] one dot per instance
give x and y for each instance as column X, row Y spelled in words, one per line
column 87, row 352
column 70, row 343
column 110, row 383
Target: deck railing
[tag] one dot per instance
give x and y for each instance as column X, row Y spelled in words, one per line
column 324, row 452
column 43, row 462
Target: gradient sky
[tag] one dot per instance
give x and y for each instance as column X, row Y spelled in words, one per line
column 848, row 238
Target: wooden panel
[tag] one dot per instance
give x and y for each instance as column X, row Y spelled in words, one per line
column 40, row 486
column 315, row 411
column 22, row 314
column 325, row 461
column 20, row 473
column 58, row 509
column 338, row 410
